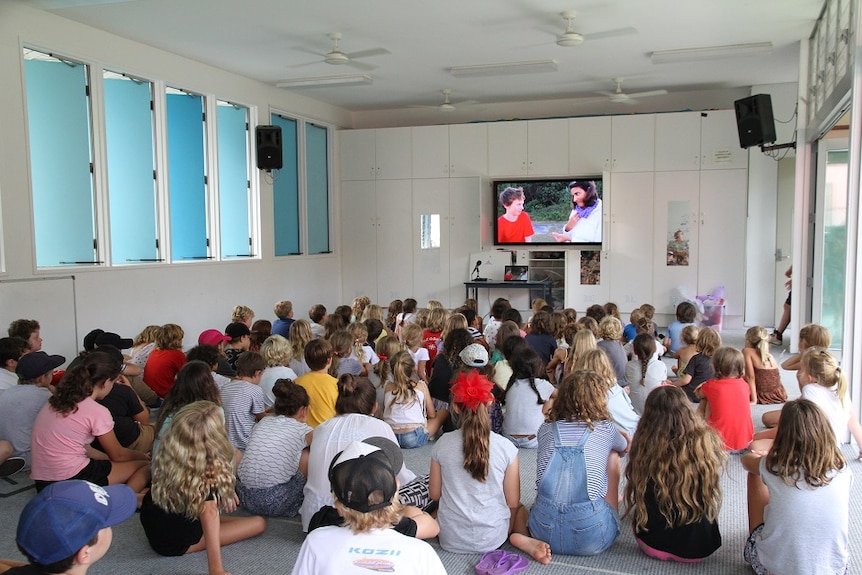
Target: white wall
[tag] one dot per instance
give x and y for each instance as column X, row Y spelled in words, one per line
column 760, row 264
column 196, row 296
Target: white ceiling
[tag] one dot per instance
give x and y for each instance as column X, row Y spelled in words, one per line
column 271, row 40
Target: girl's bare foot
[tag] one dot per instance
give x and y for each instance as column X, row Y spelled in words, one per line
column 538, row 550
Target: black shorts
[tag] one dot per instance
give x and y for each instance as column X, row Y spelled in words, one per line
column 787, row 301
column 96, row 471
column 169, row 534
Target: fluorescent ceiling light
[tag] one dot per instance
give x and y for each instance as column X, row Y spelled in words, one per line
column 351, row 80
column 711, row 53
column 504, row 69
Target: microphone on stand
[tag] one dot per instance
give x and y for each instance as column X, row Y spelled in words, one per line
column 476, row 271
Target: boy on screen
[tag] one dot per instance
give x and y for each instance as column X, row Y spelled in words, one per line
column 514, row 226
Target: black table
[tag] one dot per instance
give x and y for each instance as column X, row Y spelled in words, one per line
column 544, row 287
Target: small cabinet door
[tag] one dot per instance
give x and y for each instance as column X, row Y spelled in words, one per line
column 548, row 147
column 357, row 155
column 589, row 145
column 633, row 143
column 468, row 150
column 430, row 151
column 719, row 146
column 392, row 151
column 677, row 141
column 507, row 149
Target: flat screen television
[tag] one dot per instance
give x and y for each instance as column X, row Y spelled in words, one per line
column 552, row 211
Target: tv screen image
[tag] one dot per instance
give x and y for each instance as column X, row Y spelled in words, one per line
column 559, row 211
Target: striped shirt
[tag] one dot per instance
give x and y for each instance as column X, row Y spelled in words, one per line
column 603, row 439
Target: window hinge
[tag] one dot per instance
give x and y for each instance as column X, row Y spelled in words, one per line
column 152, row 106
column 157, row 243
column 205, row 179
column 95, row 243
column 91, row 167
column 155, row 175
column 208, row 242
column 87, row 91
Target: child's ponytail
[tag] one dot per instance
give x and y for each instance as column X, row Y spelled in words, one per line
column 824, row 368
column 471, row 393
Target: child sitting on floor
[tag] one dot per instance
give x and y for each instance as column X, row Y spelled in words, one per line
column 193, row 479
column 674, row 501
column 273, row 469
column 363, row 480
column 727, row 398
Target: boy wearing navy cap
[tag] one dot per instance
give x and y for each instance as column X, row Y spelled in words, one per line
column 67, row 527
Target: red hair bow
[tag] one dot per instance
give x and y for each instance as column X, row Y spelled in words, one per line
column 472, row 389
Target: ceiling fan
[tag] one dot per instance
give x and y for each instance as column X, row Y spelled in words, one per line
column 620, row 97
column 337, row 57
column 572, row 38
column 447, row 105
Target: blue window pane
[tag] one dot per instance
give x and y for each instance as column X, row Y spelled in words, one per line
column 317, row 189
column 285, row 191
column 58, row 115
column 131, row 186
column 187, row 177
column 233, row 180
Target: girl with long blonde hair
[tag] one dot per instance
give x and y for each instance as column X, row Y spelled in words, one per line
column 620, row 407
column 674, row 499
column 193, row 478
column 474, row 464
column 583, row 340
column 408, row 407
column 761, row 369
column 300, row 335
column 578, row 469
column 805, row 480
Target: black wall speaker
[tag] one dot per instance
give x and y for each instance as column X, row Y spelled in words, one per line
column 754, row 120
column 269, row 147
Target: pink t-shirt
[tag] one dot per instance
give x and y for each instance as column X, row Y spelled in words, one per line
column 58, row 442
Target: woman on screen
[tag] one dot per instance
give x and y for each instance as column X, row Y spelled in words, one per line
column 585, row 221
column 514, row 226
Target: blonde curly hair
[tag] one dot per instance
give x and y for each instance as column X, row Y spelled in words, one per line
column 194, row 461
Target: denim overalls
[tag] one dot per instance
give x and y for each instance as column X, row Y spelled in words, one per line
column 563, row 515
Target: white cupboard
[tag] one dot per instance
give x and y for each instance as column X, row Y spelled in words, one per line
column 589, row 145
column 528, row 148
column 382, row 154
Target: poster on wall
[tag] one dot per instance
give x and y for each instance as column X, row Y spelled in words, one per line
column 591, row 268
column 677, row 233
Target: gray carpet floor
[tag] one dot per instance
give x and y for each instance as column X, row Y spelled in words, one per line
column 275, row 551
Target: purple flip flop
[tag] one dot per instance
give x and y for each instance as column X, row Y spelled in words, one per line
column 489, row 561
column 509, row 564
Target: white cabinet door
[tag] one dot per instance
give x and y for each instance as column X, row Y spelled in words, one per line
column 507, row 149
column 581, row 296
column 721, row 258
column 430, row 151
column 464, row 230
column 394, row 240
column 393, row 157
column 589, row 145
column 468, row 150
column 631, row 239
column 357, row 155
column 431, row 264
column 359, row 240
column 677, row 141
column 676, row 209
column 548, row 147
column 719, row 146
column 633, row 143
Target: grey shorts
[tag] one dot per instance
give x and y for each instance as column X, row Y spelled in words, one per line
column 282, row 500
